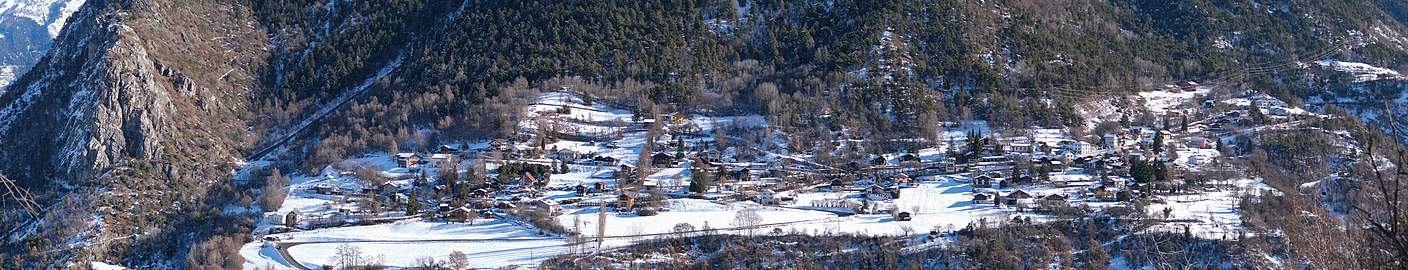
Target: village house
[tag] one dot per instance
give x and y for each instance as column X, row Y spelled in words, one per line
column 711, row 156
column 980, row 197
column 404, row 160
column 460, row 214
column 501, row 145
column 388, row 189
column 565, row 155
column 479, row 194
column 878, row 161
column 1103, row 193
column 837, row 184
column 625, row 203
column 1019, row 148
column 625, row 170
column 1199, row 142
column 1018, row 195
column 983, row 181
column 902, row 179
column 740, row 174
column 371, row 191
column 908, row 159
column 327, row 189
column 903, row 216
column 662, row 160
column 1072, row 147
column 877, row 192
column 447, row 149
column 1110, row 141
column 1188, row 86
column 602, row 160
column 678, row 117
column 767, row 197
column 1279, row 111
column 1198, row 160
column 441, row 158
column 1262, row 101
column 551, row 206
column 292, row 215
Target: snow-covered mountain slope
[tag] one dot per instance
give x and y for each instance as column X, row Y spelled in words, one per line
column 50, row 13
column 26, row 29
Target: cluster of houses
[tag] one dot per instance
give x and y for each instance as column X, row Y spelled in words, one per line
column 445, row 154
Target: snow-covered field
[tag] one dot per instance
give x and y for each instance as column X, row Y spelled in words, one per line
column 480, row 254
column 1210, row 215
column 945, row 204
column 1162, row 102
column 697, row 213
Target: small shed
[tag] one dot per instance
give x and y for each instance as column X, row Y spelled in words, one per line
column 460, row 214
column 980, row 197
column 903, row 216
column 909, row 158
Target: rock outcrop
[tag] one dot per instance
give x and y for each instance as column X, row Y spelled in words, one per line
column 116, row 88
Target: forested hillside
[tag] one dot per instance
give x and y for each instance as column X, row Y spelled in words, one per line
column 874, row 68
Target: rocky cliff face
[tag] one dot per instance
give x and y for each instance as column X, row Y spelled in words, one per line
column 118, row 86
column 140, row 107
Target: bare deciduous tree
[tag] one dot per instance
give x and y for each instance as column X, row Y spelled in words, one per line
column 1385, row 215
column 458, row 260
column 747, row 219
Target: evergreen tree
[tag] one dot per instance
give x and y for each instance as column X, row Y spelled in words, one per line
column 1158, row 146
column 413, row 203
column 1183, row 126
column 1016, row 173
column 697, row 182
column 290, row 220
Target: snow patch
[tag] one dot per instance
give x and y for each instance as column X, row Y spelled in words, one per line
column 1362, row 72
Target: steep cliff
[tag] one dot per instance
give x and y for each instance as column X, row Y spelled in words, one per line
column 139, row 108
column 124, row 85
